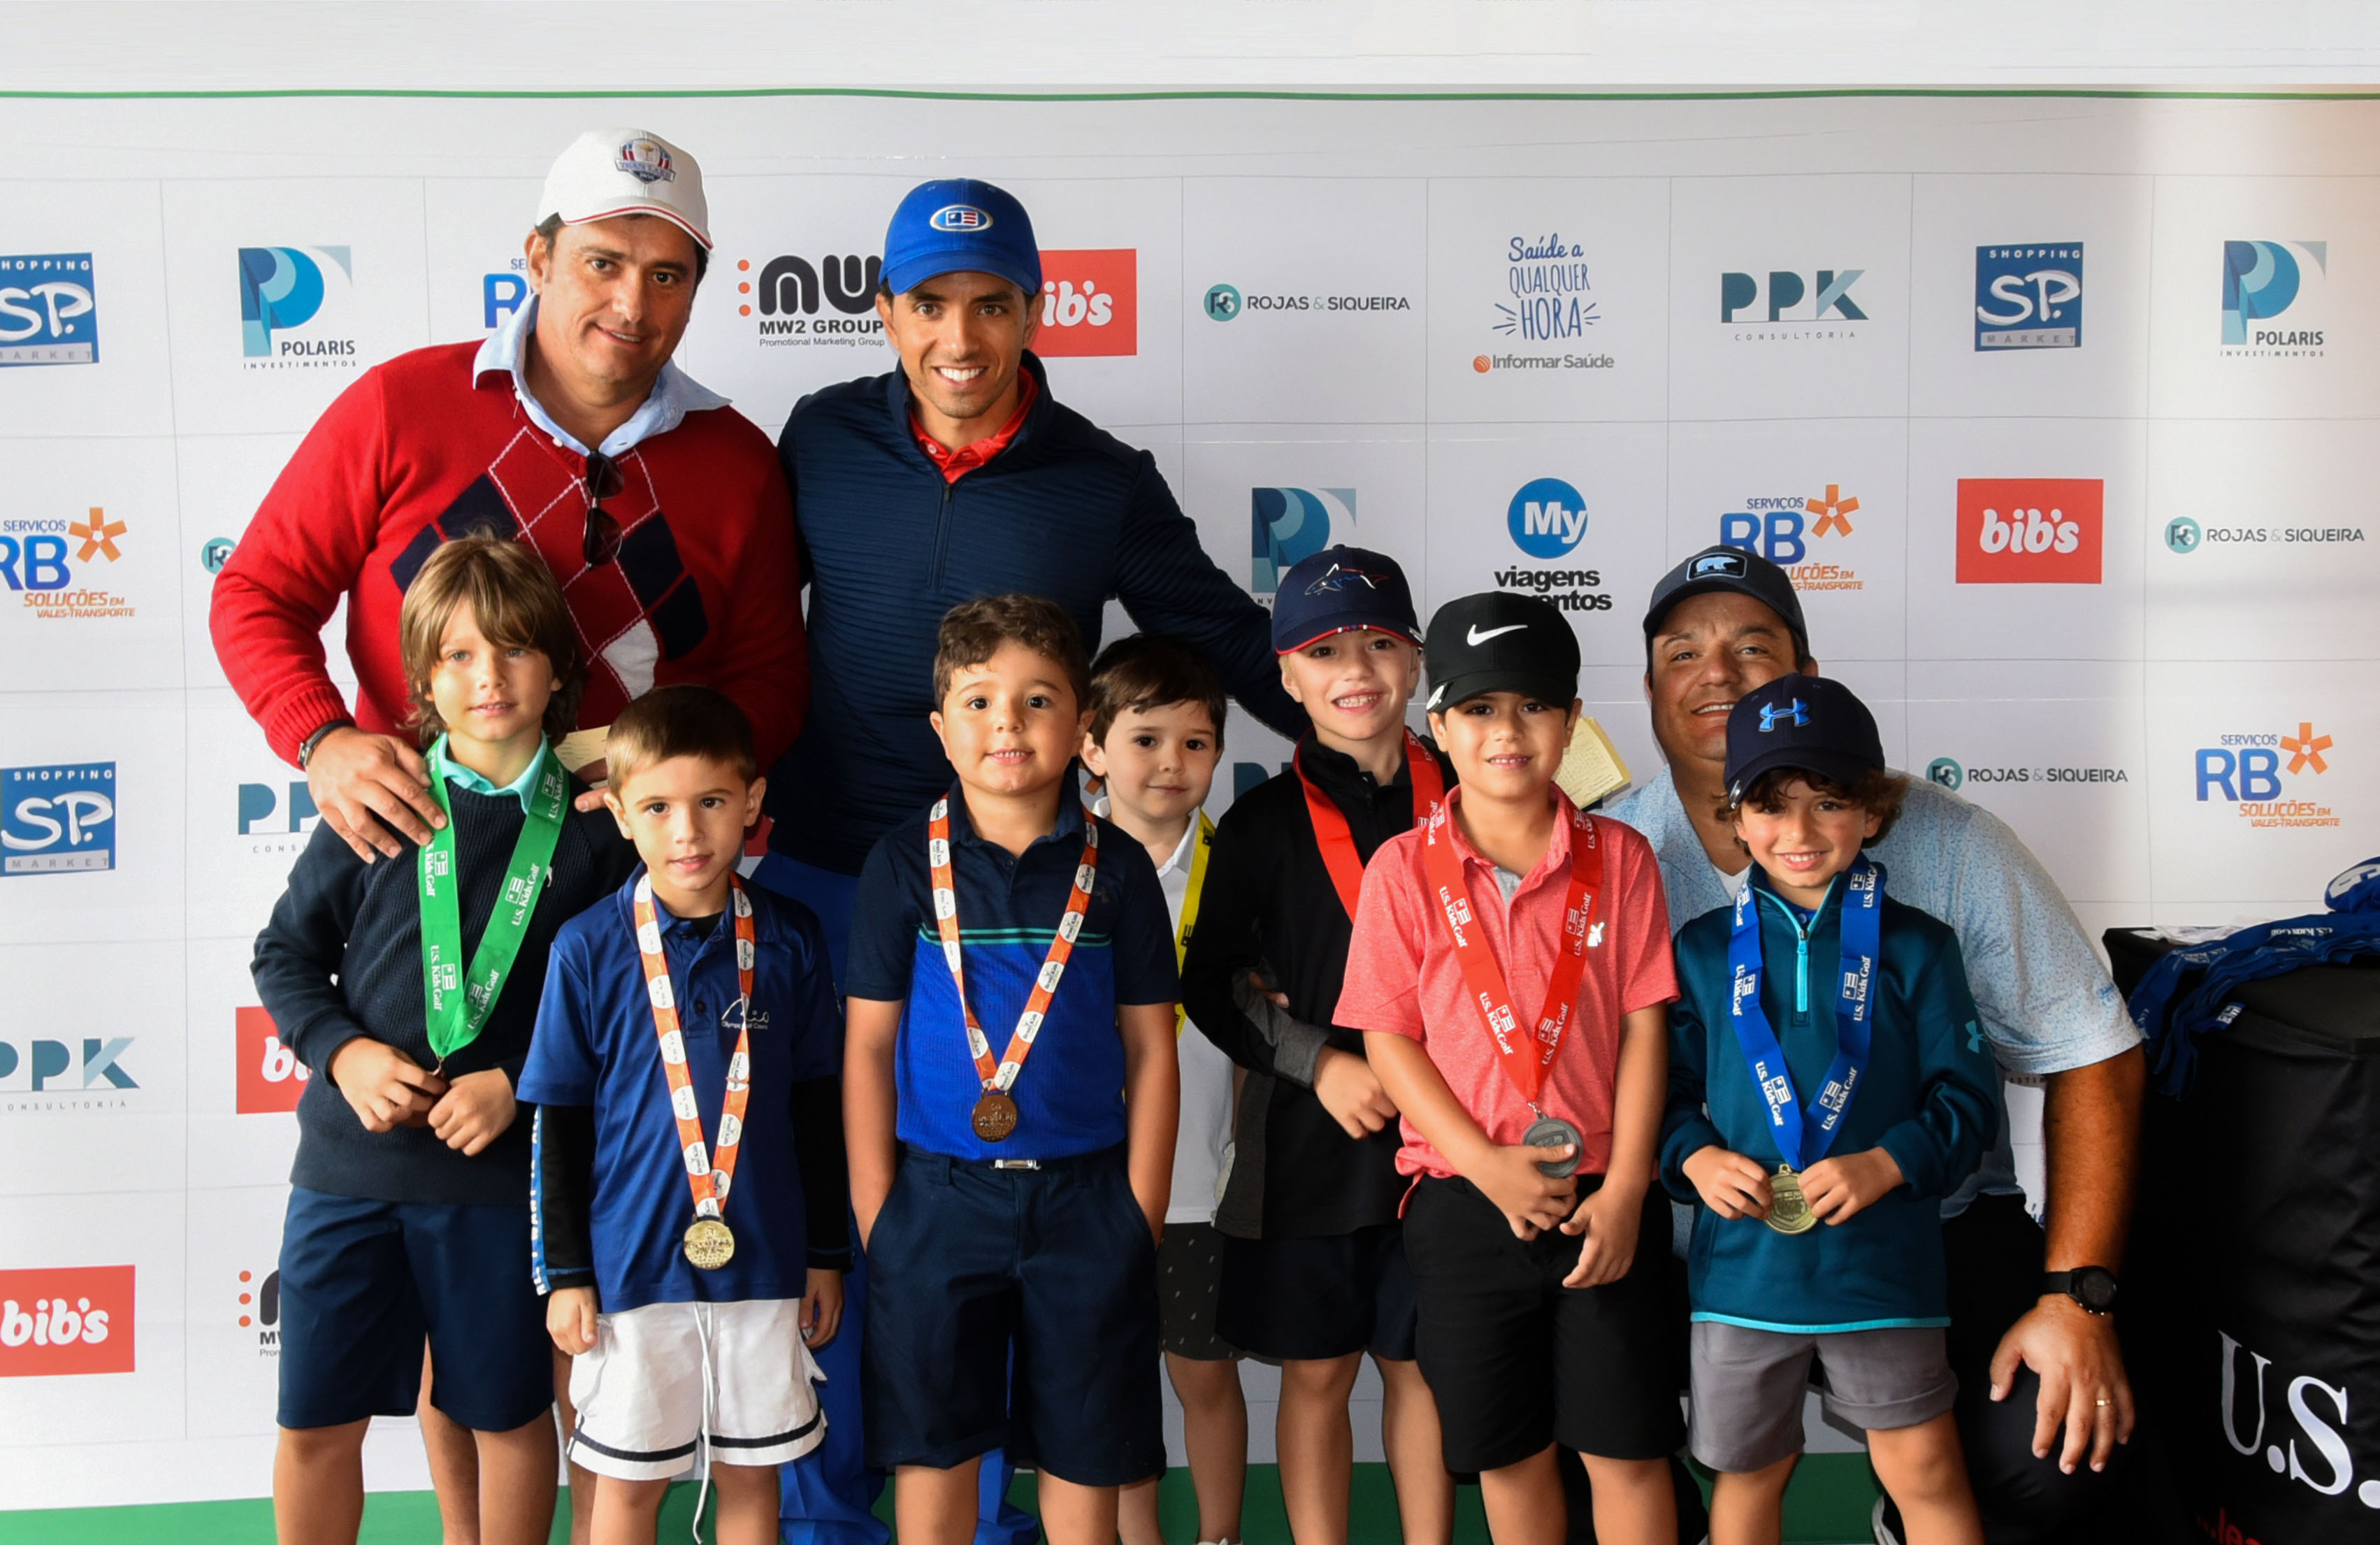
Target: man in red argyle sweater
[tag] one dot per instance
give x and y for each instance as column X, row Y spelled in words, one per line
column 662, row 510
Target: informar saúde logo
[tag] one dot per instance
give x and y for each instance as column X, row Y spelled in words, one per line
column 2029, row 296
column 1288, row 523
column 2030, row 530
column 281, row 291
column 58, row 819
column 49, row 309
column 65, row 1320
column 1090, row 303
column 2268, row 774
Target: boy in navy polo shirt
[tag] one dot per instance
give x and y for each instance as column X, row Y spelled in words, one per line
column 688, row 1040
column 1010, row 1208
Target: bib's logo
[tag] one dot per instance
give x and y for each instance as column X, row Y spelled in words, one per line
column 270, row 1076
column 2030, row 530
column 259, row 1307
column 49, row 312
column 2255, row 770
column 2262, row 280
column 57, row 819
column 2029, row 296
column 790, row 291
column 1288, row 524
column 1781, row 527
column 282, row 291
column 1546, row 518
column 1090, row 303
column 1786, row 298
column 67, row 1320
column 60, row 565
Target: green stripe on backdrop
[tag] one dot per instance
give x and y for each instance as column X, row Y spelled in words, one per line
column 665, row 94
column 1827, row 1505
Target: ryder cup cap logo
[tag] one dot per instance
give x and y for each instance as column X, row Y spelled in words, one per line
column 960, row 218
column 644, row 159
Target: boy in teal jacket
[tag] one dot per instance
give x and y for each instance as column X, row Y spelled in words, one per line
column 1828, row 1085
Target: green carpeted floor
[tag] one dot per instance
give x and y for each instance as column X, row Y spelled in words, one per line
column 1829, row 1505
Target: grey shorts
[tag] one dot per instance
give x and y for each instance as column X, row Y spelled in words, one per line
column 1748, row 1386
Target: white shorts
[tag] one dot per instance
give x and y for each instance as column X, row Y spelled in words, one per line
column 643, row 1392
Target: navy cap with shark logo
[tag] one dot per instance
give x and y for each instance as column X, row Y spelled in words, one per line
column 1808, row 723
column 1729, row 568
column 1497, row 641
column 1338, row 589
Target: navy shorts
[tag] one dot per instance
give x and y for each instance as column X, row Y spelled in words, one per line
column 1013, row 1309
column 363, row 1281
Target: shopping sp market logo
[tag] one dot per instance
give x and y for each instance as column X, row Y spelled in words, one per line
column 1290, row 524
column 49, row 309
column 2030, row 530
column 2029, row 296
column 58, row 819
column 59, row 568
column 297, row 308
column 1792, row 530
column 2273, row 777
column 67, row 1320
column 2265, row 282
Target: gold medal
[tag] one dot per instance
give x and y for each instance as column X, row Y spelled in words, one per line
column 710, row 1244
column 1788, row 1211
column 995, row 1116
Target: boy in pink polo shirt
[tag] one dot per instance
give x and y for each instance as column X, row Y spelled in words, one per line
column 1510, row 970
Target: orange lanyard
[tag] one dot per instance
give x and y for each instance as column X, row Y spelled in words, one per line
column 1002, row 1077
column 1338, row 844
column 1489, row 991
column 708, row 1172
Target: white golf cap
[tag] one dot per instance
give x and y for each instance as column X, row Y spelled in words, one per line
column 610, row 172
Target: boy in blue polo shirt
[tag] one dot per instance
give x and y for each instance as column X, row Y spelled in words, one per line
column 688, row 1039
column 1010, row 1208
column 1824, row 1069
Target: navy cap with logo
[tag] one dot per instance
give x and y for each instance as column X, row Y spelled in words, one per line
column 1497, row 641
column 1808, row 723
column 1729, row 568
column 959, row 224
column 1338, row 589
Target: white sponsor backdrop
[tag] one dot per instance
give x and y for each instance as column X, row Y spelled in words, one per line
column 1660, row 323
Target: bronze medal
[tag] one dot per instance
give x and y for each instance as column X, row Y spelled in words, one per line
column 995, row 1116
column 710, row 1244
column 1553, row 1132
column 1788, row 1211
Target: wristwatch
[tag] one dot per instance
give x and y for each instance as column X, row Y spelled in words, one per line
column 2094, row 1288
column 306, row 746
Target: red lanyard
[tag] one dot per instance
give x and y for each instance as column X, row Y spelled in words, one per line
column 1002, row 1077
column 1331, row 833
column 707, row 1173
column 1489, row 991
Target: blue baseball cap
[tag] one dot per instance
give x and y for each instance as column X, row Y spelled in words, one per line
column 958, row 224
column 1338, row 589
column 1810, row 724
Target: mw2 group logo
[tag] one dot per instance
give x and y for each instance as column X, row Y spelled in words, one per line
column 59, row 566
column 1550, row 298
column 1288, row 523
column 2262, row 283
column 2268, row 775
column 1785, row 528
column 2029, row 296
column 269, row 1077
column 49, row 309
column 259, row 1310
column 1786, row 305
column 296, row 308
column 57, row 819
column 65, row 1320
column 1952, row 773
column 2184, row 535
column 2311, row 1451
column 797, row 303
column 1547, row 519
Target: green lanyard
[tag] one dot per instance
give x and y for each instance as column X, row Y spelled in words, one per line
column 456, row 1002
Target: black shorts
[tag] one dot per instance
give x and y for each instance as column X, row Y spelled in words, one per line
column 1013, row 1309
column 1189, row 1275
column 1518, row 1361
column 1312, row 1299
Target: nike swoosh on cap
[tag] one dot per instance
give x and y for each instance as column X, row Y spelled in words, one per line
column 1475, row 636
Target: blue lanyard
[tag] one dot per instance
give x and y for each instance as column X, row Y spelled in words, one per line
column 1804, row 1135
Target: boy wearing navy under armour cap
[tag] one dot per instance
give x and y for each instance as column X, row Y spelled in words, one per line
column 1509, row 974
column 1825, row 1068
column 1313, row 1270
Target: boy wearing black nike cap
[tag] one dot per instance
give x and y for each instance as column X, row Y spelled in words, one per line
column 1511, row 971
column 1827, row 1067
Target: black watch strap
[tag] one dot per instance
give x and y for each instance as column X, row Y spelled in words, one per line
column 2092, row 1287
column 306, row 746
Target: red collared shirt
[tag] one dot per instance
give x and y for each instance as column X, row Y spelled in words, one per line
column 959, row 463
